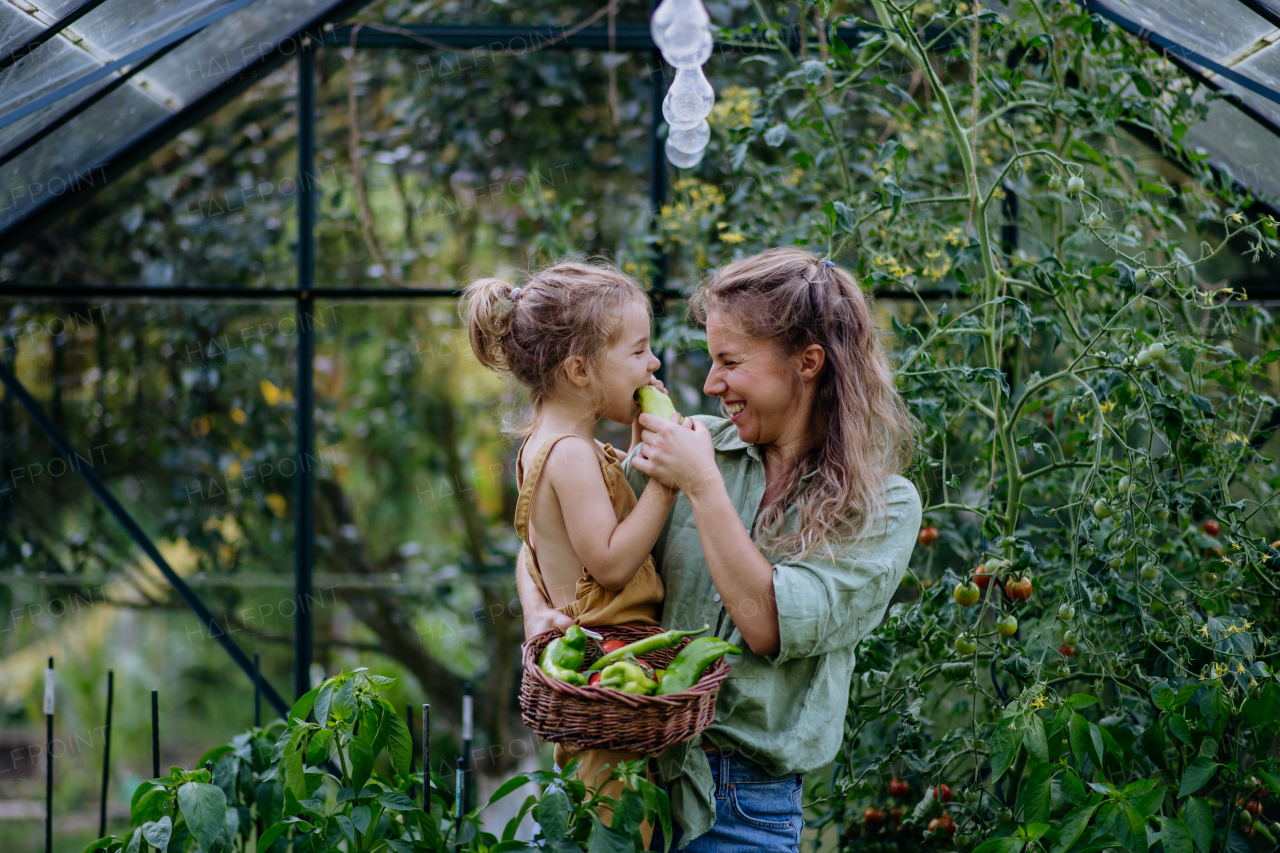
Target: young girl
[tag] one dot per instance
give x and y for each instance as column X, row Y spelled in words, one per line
column 577, row 337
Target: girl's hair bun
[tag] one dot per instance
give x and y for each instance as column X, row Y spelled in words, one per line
column 490, row 304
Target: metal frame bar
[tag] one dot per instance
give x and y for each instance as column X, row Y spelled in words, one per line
column 304, row 521
column 28, row 46
column 139, row 536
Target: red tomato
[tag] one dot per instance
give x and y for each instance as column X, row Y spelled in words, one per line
column 613, row 645
column 942, row 793
column 980, row 576
column 897, row 814
column 928, row 535
column 594, row 679
column 873, row 816
column 1253, row 807
column 1018, row 590
column 899, row 788
column 1067, row 650
column 944, row 823
column 1211, row 528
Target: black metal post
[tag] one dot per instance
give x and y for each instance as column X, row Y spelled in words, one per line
column 466, row 741
column 106, row 755
column 155, row 734
column 48, row 758
column 304, row 522
column 426, row 758
column 257, row 690
column 459, row 791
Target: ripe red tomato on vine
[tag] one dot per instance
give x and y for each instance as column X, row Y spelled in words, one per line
column 1018, row 590
column 899, row 788
column 928, row 535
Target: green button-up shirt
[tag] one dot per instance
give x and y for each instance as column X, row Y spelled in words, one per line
column 784, row 712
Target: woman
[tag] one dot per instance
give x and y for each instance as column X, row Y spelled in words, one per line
column 791, row 533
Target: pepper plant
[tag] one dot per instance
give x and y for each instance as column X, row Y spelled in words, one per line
column 314, row 786
column 1081, row 657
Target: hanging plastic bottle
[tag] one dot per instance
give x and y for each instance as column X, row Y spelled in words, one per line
column 682, row 159
column 682, row 31
column 690, row 140
column 689, row 100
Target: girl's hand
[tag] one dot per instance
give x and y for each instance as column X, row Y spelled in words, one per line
column 678, row 457
column 539, row 617
column 635, row 424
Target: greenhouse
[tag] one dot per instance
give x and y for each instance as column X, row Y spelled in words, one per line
column 966, row 536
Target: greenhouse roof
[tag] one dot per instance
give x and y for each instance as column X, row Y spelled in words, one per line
column 85, row 84
column 89, row 87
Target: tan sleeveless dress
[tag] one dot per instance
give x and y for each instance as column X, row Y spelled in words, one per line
column 637, row 603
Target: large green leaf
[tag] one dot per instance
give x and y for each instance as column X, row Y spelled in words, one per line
column 508, row 786
column 1078, row 734
column 399, row 740
column 157, row 833
column 150, row 806
column 204, row 807
column 1035, row 740
column 605, row 840
column 1072, row 826
column 360, row 752
column 1197, row 774
column 303, row 706
column 1039, row 794
column 1175, row 836
column 552, row 814
column 1005, row 743
column 1130, row 829
column 1198, row 816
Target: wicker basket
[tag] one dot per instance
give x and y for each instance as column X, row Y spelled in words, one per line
column 601, row 718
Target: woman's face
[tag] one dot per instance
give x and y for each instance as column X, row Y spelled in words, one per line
column 769, row 396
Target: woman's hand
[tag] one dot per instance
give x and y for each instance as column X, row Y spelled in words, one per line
column 676, row 456
column 539, row 616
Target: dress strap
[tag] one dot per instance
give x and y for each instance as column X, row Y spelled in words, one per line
column 528, row 484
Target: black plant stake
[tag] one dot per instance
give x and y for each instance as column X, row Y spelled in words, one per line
column 48, row 758
column 155, row 734
column 426, row 758
column 106, row 756
column 257, row 690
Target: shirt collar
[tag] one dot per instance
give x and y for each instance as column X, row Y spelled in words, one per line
column 724, row 437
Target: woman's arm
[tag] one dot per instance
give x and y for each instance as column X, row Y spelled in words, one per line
column 685, row 459
column 611, row 551
column 539, row 616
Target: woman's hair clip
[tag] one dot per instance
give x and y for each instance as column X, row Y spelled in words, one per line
column 515, row 291
column 826, row 263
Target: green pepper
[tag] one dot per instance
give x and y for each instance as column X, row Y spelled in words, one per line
column 687, row 668
column 627, row 677
column 665, row 640
column 563, row 656
column 566, row 675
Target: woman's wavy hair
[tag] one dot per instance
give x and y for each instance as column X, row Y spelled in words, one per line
column 530, row 331
column 789, row 296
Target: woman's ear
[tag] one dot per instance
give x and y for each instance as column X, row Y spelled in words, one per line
column 809, row 361
column 575, row 370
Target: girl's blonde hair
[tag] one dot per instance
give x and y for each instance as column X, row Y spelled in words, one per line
column 570, row 309
column 863, row 429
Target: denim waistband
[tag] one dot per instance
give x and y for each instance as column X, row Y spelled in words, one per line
column 729, row 768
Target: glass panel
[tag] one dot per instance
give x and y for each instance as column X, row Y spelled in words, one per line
column 74, row 154
column 1216, row 30
column 1242, row 146
column 15, row 28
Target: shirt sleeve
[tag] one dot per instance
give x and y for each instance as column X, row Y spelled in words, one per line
column 829, row 604
column 637, row 480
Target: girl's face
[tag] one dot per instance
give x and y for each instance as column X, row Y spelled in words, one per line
column 765, row 392
column 626, row 365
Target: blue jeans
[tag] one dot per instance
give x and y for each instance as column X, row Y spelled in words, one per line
column 755, row 812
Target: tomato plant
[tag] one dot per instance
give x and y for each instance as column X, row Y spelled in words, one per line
column 1087, row 402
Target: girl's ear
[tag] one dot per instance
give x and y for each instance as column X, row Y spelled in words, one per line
column 809, row 361
column 575, row 370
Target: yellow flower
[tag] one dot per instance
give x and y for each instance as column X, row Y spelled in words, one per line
column 1234, row 217
column 270, row 392
column 277, row 504
column 1039, row 703
column 1204, row 629
column 732, row 237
